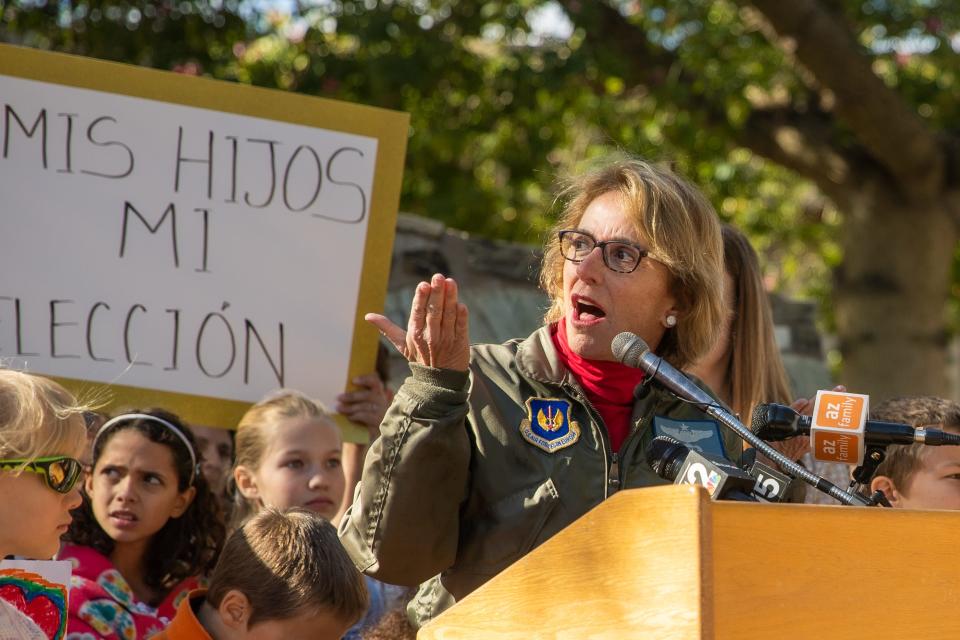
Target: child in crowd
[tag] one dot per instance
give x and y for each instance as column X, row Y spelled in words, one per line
column 215, row 446
column 148, row 527
column 281, row 575
column 41, row 436
column 917, row 476
column 288, row 452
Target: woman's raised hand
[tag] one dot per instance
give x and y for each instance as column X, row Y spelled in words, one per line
column 436, row 334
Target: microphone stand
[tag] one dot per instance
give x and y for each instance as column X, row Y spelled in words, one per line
column 680, row 386
column 873, row 456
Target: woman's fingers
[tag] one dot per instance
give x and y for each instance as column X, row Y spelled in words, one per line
column 452, row 350
column 393, row 333
column 448, row 319
column 416, row 326
column 794, row 448
column 801, row 406
column 463, row 333
column 436, row 333
column 434, row 321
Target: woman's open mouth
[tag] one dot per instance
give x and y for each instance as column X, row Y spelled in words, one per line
column 586, row 311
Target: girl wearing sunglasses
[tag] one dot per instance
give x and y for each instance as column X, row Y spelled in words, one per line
column 148, row 528
column 41, row 435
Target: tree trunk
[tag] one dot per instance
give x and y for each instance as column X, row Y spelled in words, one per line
column 891, row 293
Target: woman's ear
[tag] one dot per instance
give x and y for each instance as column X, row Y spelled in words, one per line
column 885, row 484
column 246, row 483
column 88, row 482
column 183, row 502
column 235, row 611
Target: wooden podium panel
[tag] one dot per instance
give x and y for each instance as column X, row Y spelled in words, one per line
column 666, row 562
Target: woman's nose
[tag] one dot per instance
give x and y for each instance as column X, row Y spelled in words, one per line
column 591, row 266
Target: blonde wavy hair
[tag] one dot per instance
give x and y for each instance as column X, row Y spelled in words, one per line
column 253, row 434
column 38, row 417
column 755, row 368
column 683, row 233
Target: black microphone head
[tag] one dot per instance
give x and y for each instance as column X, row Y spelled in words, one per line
column 776, row 422
column 663, row 453
column 628, row 347
column 760, row 419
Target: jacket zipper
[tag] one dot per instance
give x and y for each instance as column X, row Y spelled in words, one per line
column 633, row 435
column 611, row 460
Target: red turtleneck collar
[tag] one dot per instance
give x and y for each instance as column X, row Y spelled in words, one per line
column 609, row 385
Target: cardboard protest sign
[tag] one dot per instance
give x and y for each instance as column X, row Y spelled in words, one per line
column 193, row 243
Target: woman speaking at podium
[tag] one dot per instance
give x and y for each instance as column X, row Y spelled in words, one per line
column 488, row 451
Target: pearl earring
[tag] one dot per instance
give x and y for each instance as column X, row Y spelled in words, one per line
column 671, row 321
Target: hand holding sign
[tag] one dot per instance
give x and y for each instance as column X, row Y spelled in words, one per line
column 436, row 334
column 366, row 404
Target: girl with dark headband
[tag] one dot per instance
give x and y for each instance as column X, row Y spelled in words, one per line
column 147, row 529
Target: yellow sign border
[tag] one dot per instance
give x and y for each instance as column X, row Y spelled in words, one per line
column 388, row 127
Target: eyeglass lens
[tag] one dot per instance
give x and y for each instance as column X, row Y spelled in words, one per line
column 618, row 256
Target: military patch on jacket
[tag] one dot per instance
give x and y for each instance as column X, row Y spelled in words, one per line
column 548, row 424
column 700, row 435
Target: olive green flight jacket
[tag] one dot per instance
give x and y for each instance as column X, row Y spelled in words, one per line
column 452, row 493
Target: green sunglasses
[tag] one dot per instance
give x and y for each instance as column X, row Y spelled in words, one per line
column 59, row 472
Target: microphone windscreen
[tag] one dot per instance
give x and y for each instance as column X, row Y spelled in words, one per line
column 627, row 348
column 661, row 452
column 760, row 419
column 775, row 422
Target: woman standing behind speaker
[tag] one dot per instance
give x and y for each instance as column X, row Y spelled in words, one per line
column 744, row 367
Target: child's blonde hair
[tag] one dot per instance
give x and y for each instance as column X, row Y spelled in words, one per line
column 38, row 417
column 253, row 435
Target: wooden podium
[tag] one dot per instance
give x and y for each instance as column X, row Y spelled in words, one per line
column 667, row 562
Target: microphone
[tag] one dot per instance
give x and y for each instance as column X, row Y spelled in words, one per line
column 774, row 422
column 672, row 460
column 632, row 351
column 770, row 485
column 679, row 464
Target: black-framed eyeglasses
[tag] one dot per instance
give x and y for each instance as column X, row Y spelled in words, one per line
column 619, row 256
column 59, row 472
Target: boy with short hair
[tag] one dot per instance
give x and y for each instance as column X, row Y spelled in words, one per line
column 917, row 476
column 281, row 575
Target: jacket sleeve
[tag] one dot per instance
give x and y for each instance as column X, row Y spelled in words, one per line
column 403, row 525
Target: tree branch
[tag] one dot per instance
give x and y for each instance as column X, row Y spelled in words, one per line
column 635, row 60
column 891, row 132
column 804, row 142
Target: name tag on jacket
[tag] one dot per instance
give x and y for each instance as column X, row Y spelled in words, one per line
column 699, row 435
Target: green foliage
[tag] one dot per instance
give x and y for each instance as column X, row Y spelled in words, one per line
column 499, row 112
column 183, row 35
